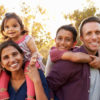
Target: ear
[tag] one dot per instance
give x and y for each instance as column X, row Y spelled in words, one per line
column 81, row 38
column 55, row 40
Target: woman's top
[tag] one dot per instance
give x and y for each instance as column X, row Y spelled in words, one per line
column 21, row 94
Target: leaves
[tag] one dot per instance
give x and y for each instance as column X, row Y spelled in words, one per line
column 77, row 16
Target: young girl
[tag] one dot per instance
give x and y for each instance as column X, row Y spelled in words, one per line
column 65, row 41
column 12, row 28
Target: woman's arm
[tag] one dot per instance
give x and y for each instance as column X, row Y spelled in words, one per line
column 35, row 76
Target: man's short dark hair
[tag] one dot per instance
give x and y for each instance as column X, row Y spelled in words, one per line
column 87, row 20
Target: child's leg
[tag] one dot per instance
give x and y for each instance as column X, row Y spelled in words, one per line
column 4, row 80
column 30, row 86
column 30, row 89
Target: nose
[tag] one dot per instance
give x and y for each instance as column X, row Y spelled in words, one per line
column 94, row 36
column 11, row 59
column 10, row 28
column 63, row 41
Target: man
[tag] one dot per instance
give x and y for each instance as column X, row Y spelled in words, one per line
column 78, row 81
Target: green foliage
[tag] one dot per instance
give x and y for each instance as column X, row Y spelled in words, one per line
column 2, row 12
column 42, row 36
column 77, row 16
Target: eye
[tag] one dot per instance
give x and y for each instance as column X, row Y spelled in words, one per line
column 59, row 38
column 68, row 39
column 6, row 27
column 15, row 53
column 14, row 25
column 5, row 57
column 98, row 32
column 89, row 33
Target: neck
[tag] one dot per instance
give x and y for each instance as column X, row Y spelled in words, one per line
column 18, row 75
column 90, row 52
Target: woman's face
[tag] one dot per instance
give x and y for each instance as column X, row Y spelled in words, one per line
column 11, row 59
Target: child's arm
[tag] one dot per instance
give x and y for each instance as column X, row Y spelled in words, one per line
column 79, row 57
column 31, row 45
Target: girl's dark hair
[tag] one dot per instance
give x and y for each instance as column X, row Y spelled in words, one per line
column 12, row 15
column 68, row 28
column 9, row 43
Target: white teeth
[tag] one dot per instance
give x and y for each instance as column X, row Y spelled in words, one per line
column 94, row 43
column 13, row 65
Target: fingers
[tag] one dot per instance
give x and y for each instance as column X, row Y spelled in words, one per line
column 93, row 57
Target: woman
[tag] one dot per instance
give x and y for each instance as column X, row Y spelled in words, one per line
column 12, row 60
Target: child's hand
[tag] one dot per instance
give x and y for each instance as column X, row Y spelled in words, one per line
column 95, row 62
column 33, row 59
column 33, row 73
column 35, row 55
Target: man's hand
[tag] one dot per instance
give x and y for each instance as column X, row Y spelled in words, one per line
column 95, row 63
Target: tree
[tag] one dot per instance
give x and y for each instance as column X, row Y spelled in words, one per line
column 33, row 19
column 77, row 16
column 2, row 12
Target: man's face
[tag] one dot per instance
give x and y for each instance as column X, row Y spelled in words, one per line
column 91, row 36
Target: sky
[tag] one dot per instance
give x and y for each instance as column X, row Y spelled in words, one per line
column 55, row 9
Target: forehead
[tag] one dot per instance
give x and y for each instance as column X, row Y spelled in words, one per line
column 91, row 26
column 8, row 50
column 64, row 32
column 11, row 21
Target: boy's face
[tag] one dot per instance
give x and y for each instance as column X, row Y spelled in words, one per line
column 64, row 40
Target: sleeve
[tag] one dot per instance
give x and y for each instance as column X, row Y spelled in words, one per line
column 44, row 84
column 60, row 73
column 49, row 65
column 28, row 37
column 56, row 54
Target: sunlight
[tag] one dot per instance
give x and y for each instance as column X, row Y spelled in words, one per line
column 55, row 10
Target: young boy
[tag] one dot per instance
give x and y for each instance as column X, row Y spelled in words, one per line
column 65, row 41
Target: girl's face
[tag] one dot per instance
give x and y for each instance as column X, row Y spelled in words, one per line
column 64, row 40
column 11, row 59
column 12, row 29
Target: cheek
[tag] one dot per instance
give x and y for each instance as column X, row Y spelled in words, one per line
column 3, row 64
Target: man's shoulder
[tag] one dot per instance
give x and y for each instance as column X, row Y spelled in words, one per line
column 78, row 49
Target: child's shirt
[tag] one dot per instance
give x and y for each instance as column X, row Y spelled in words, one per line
column 55, row 54
column 27, row 53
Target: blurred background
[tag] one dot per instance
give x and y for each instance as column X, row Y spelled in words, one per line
column 43, row 17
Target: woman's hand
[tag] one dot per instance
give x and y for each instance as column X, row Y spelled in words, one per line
column 33, row 73
column 35, row 77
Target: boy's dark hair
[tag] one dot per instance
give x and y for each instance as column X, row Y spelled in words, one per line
column 69, row 28
column 12, row 15
column 87, row 20
column 10, row 43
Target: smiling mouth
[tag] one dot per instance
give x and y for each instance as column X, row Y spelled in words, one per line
column 14, row 65
column 12, row 33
